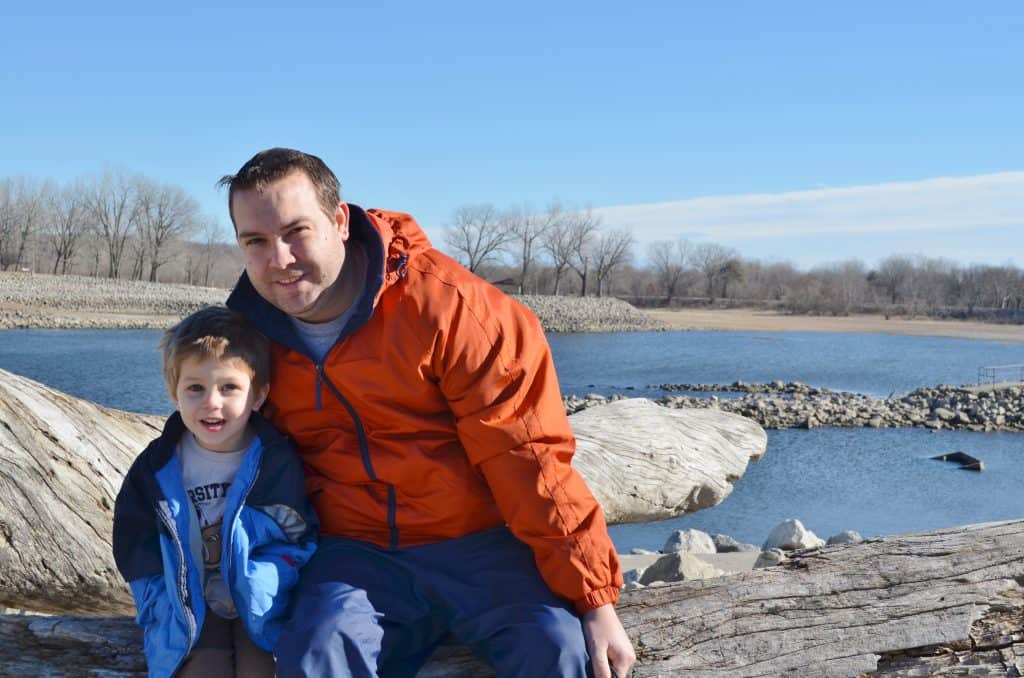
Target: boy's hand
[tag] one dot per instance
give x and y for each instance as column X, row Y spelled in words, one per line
column 611, row 653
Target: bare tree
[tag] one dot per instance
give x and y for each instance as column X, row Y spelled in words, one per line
column 714, row 261
column 201, row 254
column 165, row 213
column 476, row 234
column 556, row 241
column 613, row 249
column 527, row 230
column 669, row 260
column 21, row 216
column 582, row 242
column 111, row 200
column 68, row 223
column 8, row 222
column 891, row 276
column 29, row 210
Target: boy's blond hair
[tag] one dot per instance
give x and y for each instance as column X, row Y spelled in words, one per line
column 215, row 332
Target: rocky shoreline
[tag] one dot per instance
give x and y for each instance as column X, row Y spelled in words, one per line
column 778, row 405
column 76, row 302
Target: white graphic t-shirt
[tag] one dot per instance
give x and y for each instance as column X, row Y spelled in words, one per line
column 207, row 476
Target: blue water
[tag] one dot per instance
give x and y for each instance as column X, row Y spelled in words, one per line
column 875, row 481
column 875, row 364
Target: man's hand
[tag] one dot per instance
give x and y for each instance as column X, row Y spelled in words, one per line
column 607, row 643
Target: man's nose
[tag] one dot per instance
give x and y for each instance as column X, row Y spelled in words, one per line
column 281, row 254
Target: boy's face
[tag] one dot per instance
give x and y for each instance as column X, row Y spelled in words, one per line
column 215, row 398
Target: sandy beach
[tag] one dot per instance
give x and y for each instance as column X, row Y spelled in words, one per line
column 769, row 321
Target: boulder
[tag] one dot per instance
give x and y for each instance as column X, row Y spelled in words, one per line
column 644, row 462
column 726, row 544
column 691, row 541
column 790, row 535
column 679, row 566
column 770, row 558
column 845, row 537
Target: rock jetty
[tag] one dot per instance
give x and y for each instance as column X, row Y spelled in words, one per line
column 778, row 405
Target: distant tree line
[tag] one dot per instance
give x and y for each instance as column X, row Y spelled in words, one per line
column 120, row 224
column 114, row 224
column 563, row 251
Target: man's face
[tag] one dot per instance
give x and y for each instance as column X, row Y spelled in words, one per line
column 294, row 252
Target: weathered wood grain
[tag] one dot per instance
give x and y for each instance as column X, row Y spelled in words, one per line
column 948, row 602
column 61, row 464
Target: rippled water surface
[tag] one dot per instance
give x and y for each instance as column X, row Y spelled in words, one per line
column 876, row 481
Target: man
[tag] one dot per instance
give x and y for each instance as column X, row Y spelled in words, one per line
column 426, row 408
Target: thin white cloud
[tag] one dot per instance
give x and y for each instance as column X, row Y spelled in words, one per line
column 932, row 206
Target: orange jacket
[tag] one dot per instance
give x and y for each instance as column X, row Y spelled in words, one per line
column 436, row 415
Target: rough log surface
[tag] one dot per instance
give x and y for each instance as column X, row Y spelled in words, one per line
column 62, row 460
column 948, row 602
column 644, row 462
column 61, row 464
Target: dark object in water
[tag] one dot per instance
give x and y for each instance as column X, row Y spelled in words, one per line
column 966, row 461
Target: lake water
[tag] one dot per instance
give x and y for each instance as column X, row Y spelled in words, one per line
column 875, row 481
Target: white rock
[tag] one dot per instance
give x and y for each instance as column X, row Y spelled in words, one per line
column 791, row 534
column 633, row 575
column 691, row 541
column 645, row 462
column 726, row 544
column 678, row 566
column 770, row 558
column 845, row 537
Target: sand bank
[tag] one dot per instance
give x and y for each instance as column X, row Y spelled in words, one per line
column 769, row 321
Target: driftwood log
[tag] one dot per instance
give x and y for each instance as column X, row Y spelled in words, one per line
column 61, row 464
column 948, row 602
column 62, row 460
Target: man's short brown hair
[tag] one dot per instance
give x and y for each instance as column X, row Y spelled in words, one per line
column 215, row 332
column 268, row 166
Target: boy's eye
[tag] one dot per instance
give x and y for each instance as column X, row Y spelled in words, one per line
column 194, row 388
column 231, row 387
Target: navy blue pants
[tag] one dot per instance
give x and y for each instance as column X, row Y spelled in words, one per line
column 360, row 610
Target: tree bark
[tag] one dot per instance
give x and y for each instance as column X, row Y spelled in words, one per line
column 947, row 602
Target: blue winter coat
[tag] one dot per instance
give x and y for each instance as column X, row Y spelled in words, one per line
column 269, row 531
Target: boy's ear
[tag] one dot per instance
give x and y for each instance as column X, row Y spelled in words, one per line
column 174, row 396
column 261, row 397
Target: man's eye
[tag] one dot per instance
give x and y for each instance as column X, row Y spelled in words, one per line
column 254, row 242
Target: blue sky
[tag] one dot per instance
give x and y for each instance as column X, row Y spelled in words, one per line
column 423, row 107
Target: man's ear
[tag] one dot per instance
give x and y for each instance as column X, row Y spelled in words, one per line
column 341, row 216
column 261, row 397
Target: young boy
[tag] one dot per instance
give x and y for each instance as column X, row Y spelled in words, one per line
column 212, row 522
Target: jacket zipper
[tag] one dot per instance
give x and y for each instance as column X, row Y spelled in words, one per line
column 183, row 595
column 364, row 450
column 226, row 565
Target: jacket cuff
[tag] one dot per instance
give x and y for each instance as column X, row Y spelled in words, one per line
column 597, row 598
